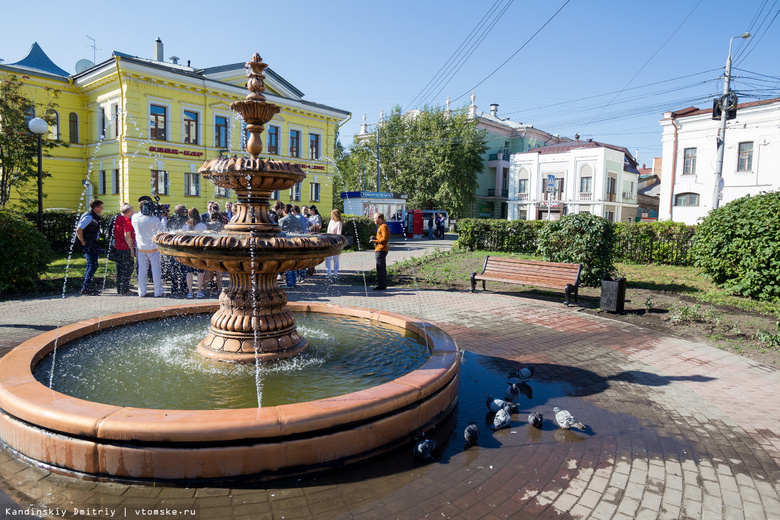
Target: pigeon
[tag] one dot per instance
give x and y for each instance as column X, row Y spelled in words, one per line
column 512, row 392
column 499, row 404
column 566, row 420
column 535, row 419
column 502, row 420
column 424, row 449
column 471, row 434
column 524, row 374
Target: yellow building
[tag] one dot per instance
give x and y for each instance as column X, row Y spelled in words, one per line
column 139, row 126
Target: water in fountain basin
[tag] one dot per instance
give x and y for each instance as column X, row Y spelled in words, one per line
column 155, row 365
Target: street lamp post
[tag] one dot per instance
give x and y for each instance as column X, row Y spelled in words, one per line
column 39, row 127
column 725, row 105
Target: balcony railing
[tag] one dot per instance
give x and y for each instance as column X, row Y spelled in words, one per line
column 522, row 196
column 492, row 193
column 585, row 196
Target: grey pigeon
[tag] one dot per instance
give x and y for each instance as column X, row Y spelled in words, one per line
column 566, row 420
column 471, row 434
column 494, row 405
column 525, row 373
column 502, row 420
column 535, row 419
column 424, row 449
column 512, row 392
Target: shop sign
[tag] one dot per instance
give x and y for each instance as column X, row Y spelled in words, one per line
column 174, row 151
column 312, row 166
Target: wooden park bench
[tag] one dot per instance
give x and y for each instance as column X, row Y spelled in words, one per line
column 530, row 272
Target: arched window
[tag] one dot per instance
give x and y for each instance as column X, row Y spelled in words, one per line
column 29, row 113
column 53, row 118
column 586, row 183
column 73, row 128
column 686, row 199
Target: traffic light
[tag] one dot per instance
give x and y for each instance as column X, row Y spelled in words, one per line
column 729, row 101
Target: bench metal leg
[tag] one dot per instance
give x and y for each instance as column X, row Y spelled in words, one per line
column 473, row 282
column 567, row 291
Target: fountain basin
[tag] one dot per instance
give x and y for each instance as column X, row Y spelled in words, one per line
column 104, row 441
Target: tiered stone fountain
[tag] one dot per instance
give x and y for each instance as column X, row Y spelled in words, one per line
column 253, row 322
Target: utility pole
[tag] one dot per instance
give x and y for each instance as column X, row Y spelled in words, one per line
column 381, row 116
column 727, row 102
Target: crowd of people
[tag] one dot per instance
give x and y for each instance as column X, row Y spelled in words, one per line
column 132, row 247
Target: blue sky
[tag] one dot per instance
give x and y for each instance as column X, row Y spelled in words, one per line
column 604, row 69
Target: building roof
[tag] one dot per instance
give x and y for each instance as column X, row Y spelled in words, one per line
column 590, row 143
column 694, row 111
column 37, row 61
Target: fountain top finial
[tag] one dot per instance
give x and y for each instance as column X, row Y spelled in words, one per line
column 256, row 83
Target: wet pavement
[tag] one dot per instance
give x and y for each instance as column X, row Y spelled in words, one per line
column 675, row 429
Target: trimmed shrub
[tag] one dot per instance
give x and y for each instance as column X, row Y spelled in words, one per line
column 510, row 236
column 739, row 246
column 24, row 253
column 580, row 239
column 357, row 226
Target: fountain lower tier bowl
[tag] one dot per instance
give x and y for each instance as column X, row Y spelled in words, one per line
column 95, row 440
column 246, row 253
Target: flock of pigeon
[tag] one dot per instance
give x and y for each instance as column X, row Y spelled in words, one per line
column 503, row 408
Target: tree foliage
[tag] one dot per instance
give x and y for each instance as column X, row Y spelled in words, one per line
column 739, row 246
column 580, row 239
column 24, row 255
column 18, row 145
column 432, row 155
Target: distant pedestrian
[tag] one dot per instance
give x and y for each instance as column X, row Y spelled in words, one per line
column 431, row 227
column 335, row 227
column 146, row 226
column 440, row 221
column 124, row 249
column 381, row 247
column 88, row 232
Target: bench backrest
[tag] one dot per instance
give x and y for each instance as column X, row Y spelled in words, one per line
column 532, row 271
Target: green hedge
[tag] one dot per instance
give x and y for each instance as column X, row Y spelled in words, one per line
column 654, row 242
column 365, row 228
column 739, row 246
column 510, row 236
column 59, row 227
column 24, row 253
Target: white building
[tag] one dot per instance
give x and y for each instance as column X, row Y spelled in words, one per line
column 586, row 176
column 751, row 162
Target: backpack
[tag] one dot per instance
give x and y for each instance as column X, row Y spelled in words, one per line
column 111, row 248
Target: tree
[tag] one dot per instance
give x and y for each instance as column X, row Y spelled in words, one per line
column 18, row 145
column 433, row 155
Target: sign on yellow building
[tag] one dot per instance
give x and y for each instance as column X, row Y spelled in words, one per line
column 140, row 126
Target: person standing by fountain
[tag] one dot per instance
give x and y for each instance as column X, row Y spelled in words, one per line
column 146, row 226
column 124, row 249
column 290, row 224
column 335, row 227
column 88, row 232
column 381, row 247
column 194, row 224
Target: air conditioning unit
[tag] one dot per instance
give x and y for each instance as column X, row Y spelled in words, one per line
column 628, row 195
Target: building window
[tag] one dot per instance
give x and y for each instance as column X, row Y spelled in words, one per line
column 689, row 167
column 275, row 195
column 522, row 186
column 273, row 139
column 53, row 118
column 190, row 127
column 221, row 192
column 314, row 191
column 157, row 122
column 29, row 113
column 586, row 184
column 295, row 192
column 220, row 132
column 115, row 182
column 610, row 215
column 102, row 182
column 159, row 182
column 73, row 128
column 745, row 161
column 611, row 189
column 295, row 143
column 686, row 199
column 115, row 121
column 314, row 147
column 192, row 185
column 103, row 123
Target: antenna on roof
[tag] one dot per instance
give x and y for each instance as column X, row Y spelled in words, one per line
column 94, row 48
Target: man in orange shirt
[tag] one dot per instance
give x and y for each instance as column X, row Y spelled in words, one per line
column 381, row 241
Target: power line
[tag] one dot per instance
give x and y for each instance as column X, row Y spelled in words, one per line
column 755, row 43
column 515, row 53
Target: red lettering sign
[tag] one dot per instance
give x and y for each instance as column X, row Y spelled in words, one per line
column 174, row 151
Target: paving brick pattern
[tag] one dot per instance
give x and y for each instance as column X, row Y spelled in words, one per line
column 676, row 429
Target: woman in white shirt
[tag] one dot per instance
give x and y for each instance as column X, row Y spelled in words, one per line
column 335, row 227
column 194, row 224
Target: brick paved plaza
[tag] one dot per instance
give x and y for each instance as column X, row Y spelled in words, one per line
column 676, row 429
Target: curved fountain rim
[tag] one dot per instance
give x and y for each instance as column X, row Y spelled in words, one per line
column 25, row 398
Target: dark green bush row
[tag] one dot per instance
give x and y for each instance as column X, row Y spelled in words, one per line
column 355, row 226
column 24, row 253
column 509, row 236
column 59, row 227
column 654, row 242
